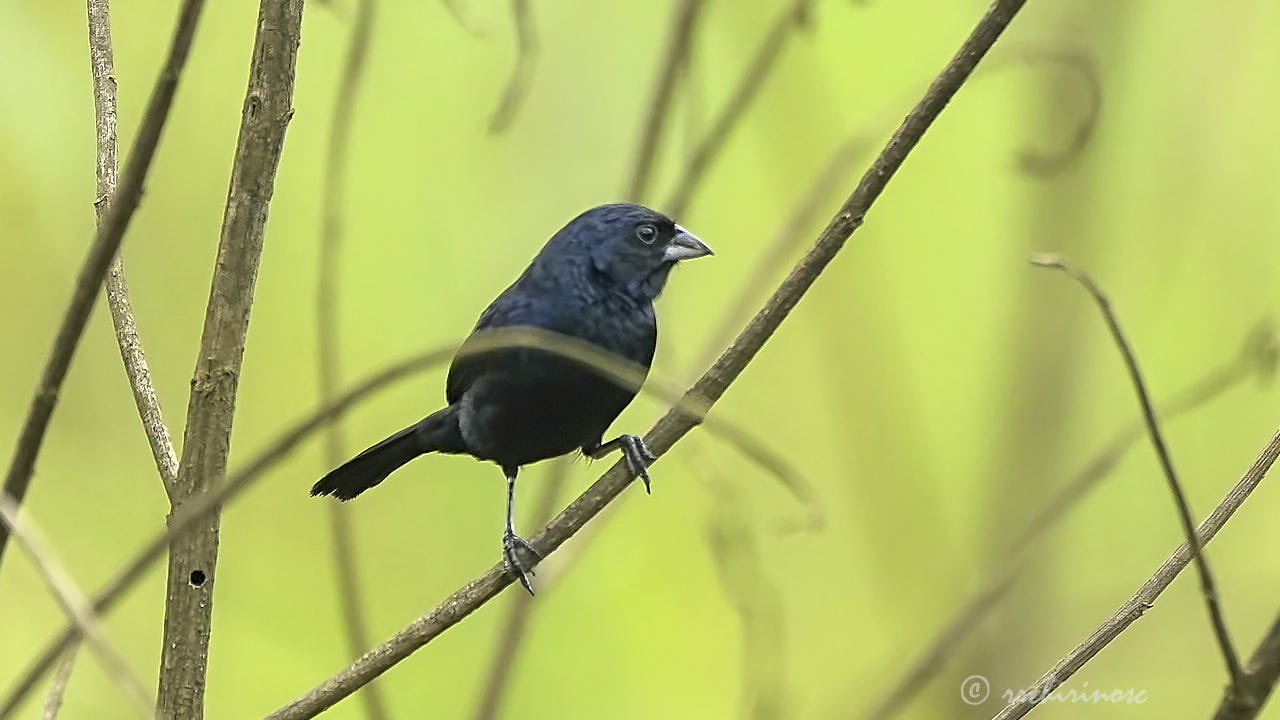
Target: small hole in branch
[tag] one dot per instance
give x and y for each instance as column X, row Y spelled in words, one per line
column 197, row 578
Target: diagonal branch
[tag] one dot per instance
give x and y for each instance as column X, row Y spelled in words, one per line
column 673, row 60
column 268, row 107
column 1207, row 586
column 1145, row 597
column 1254, row 361
column 350, row 598
column 74, row 604
column 744, row 94
column 521, row 75
column 1245, row 700
column 677, row 422
column 103, row 249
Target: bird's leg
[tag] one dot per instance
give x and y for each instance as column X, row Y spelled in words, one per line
column 634, row 451
column 513, row 543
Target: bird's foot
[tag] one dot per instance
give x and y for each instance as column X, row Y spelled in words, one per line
column 512, row 544
column 638, row 458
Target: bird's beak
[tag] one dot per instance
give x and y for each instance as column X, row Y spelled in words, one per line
column 685, row 246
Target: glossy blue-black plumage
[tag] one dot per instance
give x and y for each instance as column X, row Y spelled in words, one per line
column 595, row 280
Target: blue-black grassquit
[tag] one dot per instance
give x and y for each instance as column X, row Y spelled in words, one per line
column 595, row 281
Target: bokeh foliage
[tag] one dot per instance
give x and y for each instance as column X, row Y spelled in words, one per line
column 933, row 386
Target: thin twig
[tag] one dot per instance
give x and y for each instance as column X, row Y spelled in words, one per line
column 102, row 62
column 1207, row 585
column 673, row 59
column 1252, row 362
column 511, row 637
column 74, row 604
column 350, row 598
column 762, row 64
column 522, row 73
column 1246, row 700
column 675, row 424
column 268, row 107
column 104, row 247
column 1146, row 595
column 58, row 689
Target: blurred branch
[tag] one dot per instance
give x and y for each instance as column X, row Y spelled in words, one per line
column 676, row 423
column 101, row 251
column 1254, row 360
column 1245, row 700
column 683, row 22
column 74, row 604
column 522, row 73
column 1146, row 595
column 58, row 689
column 511, row 636
column 793, row 16
column 268, row 107
column 350, row 599
column 1041, row 162
column 1207, row 586
column 755, row 597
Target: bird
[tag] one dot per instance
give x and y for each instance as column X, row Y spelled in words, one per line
column 594, row 281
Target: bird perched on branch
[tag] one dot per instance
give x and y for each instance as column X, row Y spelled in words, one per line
column 595, row 281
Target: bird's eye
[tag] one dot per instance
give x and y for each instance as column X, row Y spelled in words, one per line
column 647, row 233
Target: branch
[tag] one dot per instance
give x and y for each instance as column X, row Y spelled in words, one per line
column 350, row 599
column 1146, row 595
column 104, row 247
column 1255, row 360
column 1207, row 586
column 655, row 120
column 74, row 604
column 762, row 64
column 522, row 73
column 677, row 423
column 193, row 556
column 102, row 63
column 58, row 689
column 1245, row 700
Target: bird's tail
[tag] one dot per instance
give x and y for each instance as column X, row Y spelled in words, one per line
column 437, row 432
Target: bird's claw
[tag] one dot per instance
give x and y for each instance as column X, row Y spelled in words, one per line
column 511, row 546
column 638, row 458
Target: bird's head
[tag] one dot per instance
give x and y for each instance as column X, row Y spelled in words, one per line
column 629, row 246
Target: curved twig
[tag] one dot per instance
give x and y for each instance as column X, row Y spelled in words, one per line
column 1207, row 586
column 522, row 73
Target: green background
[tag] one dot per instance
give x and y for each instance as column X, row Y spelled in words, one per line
column 933, row 386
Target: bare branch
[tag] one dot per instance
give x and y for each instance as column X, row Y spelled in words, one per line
column 677, row 423
column 350, row 598
column 1146, row 595
column 268, row 107
column 74, row 604
column 1246, row 700
column 102, row 62
column 761, row 66
column 103, row 249
column 1207, row 585
column 683, row 22
column 522, row 73
column 1252, row 362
